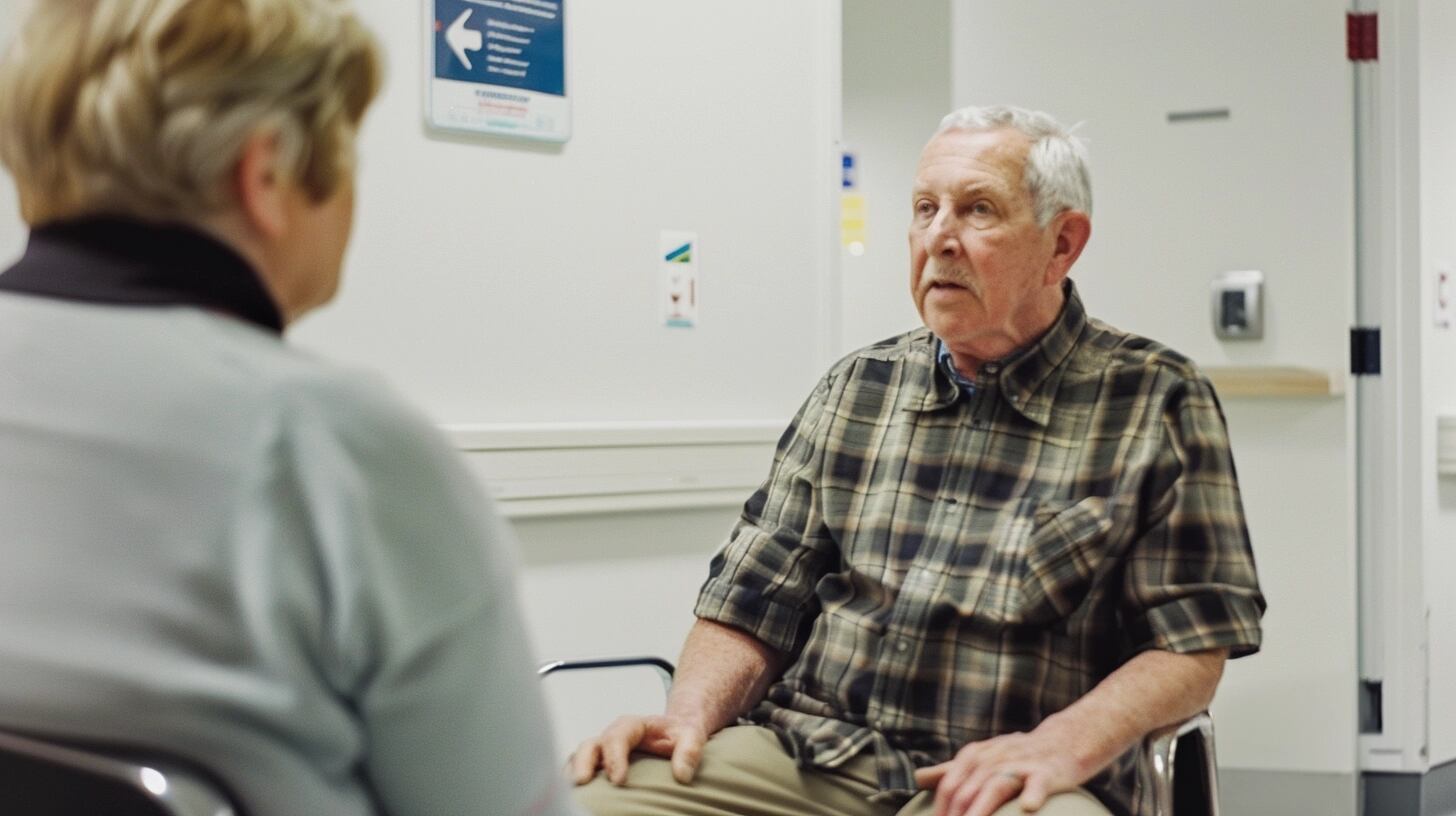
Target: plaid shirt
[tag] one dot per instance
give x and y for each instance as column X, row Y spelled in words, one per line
column 945, row 567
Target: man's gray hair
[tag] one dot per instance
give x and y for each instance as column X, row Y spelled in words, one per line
column 1056, row 166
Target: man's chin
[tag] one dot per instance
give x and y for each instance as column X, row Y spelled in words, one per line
column 947, row 303
column 946, row 323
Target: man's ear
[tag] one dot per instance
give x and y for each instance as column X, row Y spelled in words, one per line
column 260, row 183
column 1071, row 230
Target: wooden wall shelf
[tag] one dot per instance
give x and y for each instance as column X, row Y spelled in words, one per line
column 1272, row 381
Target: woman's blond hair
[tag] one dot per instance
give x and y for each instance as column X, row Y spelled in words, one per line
column 141, row 107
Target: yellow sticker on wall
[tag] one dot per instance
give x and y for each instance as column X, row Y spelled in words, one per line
column 852, row 222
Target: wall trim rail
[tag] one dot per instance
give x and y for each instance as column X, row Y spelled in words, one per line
column 557, row 469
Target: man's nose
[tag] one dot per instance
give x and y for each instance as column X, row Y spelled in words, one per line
column 940, row 238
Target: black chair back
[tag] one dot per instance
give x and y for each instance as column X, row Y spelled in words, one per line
column 39, row 777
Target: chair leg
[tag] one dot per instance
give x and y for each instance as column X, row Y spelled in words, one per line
column 1155, row 770
column 1177, row 771
column 1210, row 764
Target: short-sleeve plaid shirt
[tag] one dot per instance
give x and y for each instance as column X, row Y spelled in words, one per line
column 945, row 567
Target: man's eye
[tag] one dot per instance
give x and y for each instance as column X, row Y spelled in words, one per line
column 924, row 208
column 982, row 208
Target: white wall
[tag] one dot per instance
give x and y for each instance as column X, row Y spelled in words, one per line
column 499, row 281
column 502, row 281
column 896, row 87
column 1438, row 249
column 1269, row 188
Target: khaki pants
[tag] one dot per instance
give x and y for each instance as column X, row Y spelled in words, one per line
column 745, row 772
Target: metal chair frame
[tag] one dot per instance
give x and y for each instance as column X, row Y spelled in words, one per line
column 40, row 777
column 1183, row 752
column 1183, row 782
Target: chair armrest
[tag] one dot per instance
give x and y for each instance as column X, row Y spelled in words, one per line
column 664, row 668
column 1176, row 769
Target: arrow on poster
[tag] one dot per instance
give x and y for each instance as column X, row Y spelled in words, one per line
column 462, row 39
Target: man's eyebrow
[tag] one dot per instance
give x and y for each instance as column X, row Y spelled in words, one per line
column 977, row 187
column 968, row 189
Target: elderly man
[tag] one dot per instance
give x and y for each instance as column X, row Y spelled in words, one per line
column 215, row 546
column 991, row 555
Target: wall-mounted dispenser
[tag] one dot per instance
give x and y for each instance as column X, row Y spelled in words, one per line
column 1238, row 305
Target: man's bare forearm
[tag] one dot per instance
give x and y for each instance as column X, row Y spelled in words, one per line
column 1154, row 689
column 722, row 673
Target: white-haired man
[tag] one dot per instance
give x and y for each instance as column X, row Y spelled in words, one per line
column 991, row 554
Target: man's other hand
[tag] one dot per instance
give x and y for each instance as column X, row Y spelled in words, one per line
column 674, row 739
column 985, row 775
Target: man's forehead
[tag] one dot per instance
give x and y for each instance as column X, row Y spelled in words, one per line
column 981, row 157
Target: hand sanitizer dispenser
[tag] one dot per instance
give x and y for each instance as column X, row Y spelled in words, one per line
column 1238, row 305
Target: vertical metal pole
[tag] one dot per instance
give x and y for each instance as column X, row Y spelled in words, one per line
column 1370, row 421
column 1388, row 411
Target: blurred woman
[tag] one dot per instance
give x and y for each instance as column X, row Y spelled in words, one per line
column 215, row 546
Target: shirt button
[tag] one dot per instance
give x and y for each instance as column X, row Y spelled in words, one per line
column 902, row 646
column 1015, row 399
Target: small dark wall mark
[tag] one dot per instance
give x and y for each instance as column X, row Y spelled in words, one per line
column 1205, row 115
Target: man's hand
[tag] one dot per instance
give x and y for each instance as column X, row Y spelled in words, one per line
column 675, row 739
column 723, row 672
column 983, row 776
column 1153, row 689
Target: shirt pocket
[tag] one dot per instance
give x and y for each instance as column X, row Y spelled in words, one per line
column 1044, row 559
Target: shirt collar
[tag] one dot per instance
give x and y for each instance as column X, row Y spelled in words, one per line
column 947, row 367
column 121, row 261
column 1028, row 376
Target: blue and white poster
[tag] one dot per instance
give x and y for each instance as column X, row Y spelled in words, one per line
column 498, row 66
